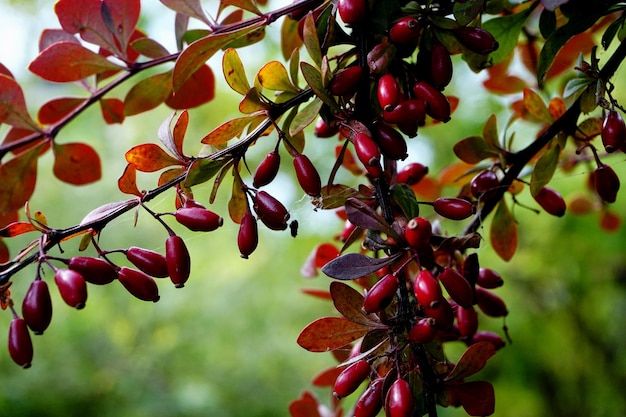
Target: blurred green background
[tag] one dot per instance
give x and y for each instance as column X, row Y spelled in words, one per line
column 224, row 345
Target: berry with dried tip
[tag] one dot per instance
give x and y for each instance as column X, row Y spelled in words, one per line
column 489, row 303
column 412, row 173
column 407, row 111
column 440, row 66
column 198, row 219
column 418, row 232
column 427, row 289
column 37, row 306
column 148, row 261
column 72, row 287
column 345, row 81
column 390, row 141
column 324, row 130
column 484, row 184
column 371, row 401
column 423, row 331
column 606, row 183
column 267, row 170
column 352, row 11
column 453, row 208
column 20, row 344
column 405, row 30
column 388, row 92
column 457, row 286
column 381, row 294
column 551, row 201
column 248, row 235
column 270, row 211
column 477, row 40
column 308, row 177
column 94, row 270
column 613, row 131
column 139, row 284
column 437, row 105
column 350, row 378
column 488, row 278
column 399, row 401
column 443, row 314
column 368, row 153
column 178, row 260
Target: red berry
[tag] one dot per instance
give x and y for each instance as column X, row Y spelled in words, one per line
column 350, row 378
column 399, row 401
column 178, row 260
column 412, row 173
column 381, row 294
column 613, row 131
column 418, row 232
column 390, row 141
column 437, row 105
column 94, row 270
column 352, row 11
column 248, row 236
column 20, row 344
column 405, row 30
column 407, row 111
column 388, row 91
column 72, row 287
column 423, row 331
column 488, row 278
column 267, row 170
column 442, row 313
column 487, row 336
column 484, row 184
column 453, row 208
column 308, row 177
column 457, row 286
column 489, row 303
column 606, row 183
column 551, row 201
column 37, row 306
column 427, row 289
column 324, row 130
column 368, row 153
column 198, row 219
column 467, row 321
column 440, row 66
column 346, row 81
column 148, row 261
column 475, row 39
column 371, row 401
column 270, row 211
column 139, row 284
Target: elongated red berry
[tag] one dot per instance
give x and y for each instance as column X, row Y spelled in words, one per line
column 139, row 284
column 270, row 211
column 20, row 344
column 178, row 260
column 488, row 278
column 37, row 306
column 477, row 40
column 437, row 105
column 371, row 401
column 412, row 173
column 442, row 313
column 405, row 30
column 613, row 131
column 388, row 92
column 484, row 184
column 148, row 261
column 489, row 303
column 606, row 183
column 390, row 141
column 407, row 111
column 467, row 321
column 427, row 289
column 198, row 219
column 453, row 208
column 418, row 232
column 457, row 286
column 440, row 66
column 267, row 170
column 381, row 294
column 423, row 331
column 368, row 153
column 94, row 270
column 324, row 130
column 551, row 201
column 399, row 401
column 350, row 378
column 345, row 81
column 308, row 177
column 487, row 336
column 352, row 11
column 72, row 287
column 248, row 235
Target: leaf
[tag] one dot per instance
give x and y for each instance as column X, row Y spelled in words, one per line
column 16, row 229
column 112, row 110
column 365, row 217
column 506, row 30
column 229, row 130
column 196, row 90
column 335, row 196
column 171, row 174
column 273, row 76
column 545, row 168
column 13, row 105
column 349, row 302
column 248, row 39
column 66, row 62
column 319, row 256
column 305, row 117
column 314, row 79
column 150, row 48
column 191, row 8
column 101, row 213
column 476, row 397
column 51, row 36
column 327, row 377
column 490, row 132
column 251, row 102
column 234, row 72
column 15, row 134
column 127, row 183
column 248, row 5
column 474, row 149
column 196, row 54
column 503, row 232
column 202, row 170
column 403, row 195
column 167, row 138
column 84, row 17
column 5, row 256
column 536, row 107
column 148, row 93
column 472, row 360
column 57, row 109
column 121, row 17
column 76, row 163
column 354, row 265
column 329, row 333
column 306, row 406
column 238, row 203
column 17, row 180
column 311, row 40
column 289, row 37
column 178, row 133
column 466, row 11
column 149, row 157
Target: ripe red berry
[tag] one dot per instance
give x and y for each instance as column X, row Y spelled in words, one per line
column 20, row 344
column 453, row 208
column 489, row 303
column 551, row 201
column 72, row 287
column 345, row 81
column 390, row 141
column 352, row 11
column 368, row 153
column 477, row 40
column 440, row 66
column 437, row 105
column 178, row 260
column 324, row 130
column 308, row 177
column 148, row 261
column 399, row 401
column 418, row 232
column 467, row 321
column 350, row 378
column 37, row 306
column 427, row 289
column 248, row 236
column 139, row 284
column 407, row 111
column 405, row 30
column 267, row 170
column 442, row 313
column 412, row 173
column 381, row 294
column 371, row 401
column 613, row 131
column 484, row 184
column 94, row 270
column 606, row 183
column 423, row 331
column 487, row 336
column 270, row 211
column 198, row 219
column 388, row 92
column 488, row 278
column 457, row 286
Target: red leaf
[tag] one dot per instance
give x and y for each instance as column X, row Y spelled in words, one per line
column 15, row 134
column 112, row 110
column 327, row 377
column 148, row 93
column 196, row 90
column 5, row 256
column 17, row 180
column 179, row 130
column 4, row 70
column 473, row 360
column 76, row 163
column 476, row 397
column 328, row 333
column 65, row 62
column 503, row 232
column 12, row 104
column 16, row 229
column 315, row 292
column 57, row 109
column 52, row 36
column 318, row 257
column 150, row 157
column 127, row 183
column 121, row 17
column 84, row 17
column 349, row 302
column 306, row 406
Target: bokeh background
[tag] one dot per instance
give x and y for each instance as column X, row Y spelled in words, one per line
column 225, row 345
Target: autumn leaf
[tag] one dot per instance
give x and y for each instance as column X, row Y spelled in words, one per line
column 472, row 360
column 349, row 302
column 148, row 93
column 328, row 333
column 13, row 105
column 149, row 157
column 503, row 232
column 17, row 180
column 191, row 8
column 234, row 72
column 57, row 109
column 16, row 229
column 76, row 163
column 112, row 110
column 127, row 183
column 196, row 90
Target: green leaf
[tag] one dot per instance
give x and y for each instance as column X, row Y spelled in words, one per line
column 576, row 87
column 202, row 170
column 503, row 232
column 311, row 41
column 148, row 93
column 506, row 30
column 547, row 23
column 234, row 72
column 314, row 79
column 404, row 196
column 466, row 11
column 305, row 117
column 545, row 168
column 490, row 132
column 473, row 150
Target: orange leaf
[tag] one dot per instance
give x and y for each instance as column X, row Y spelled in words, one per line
column 16, row 229
column 196, row 90
column 112, row 110
column 149, row 157
column 12, row 104
column 127, row 183
column 503, row 232
column 228, row 130
column 57, row 109
column 567, row 56
column 328, row 333
column 178, row 133
column 76, row 163
column 536, row 107
column 556, row 107
column 170, row 174
column 17, row 180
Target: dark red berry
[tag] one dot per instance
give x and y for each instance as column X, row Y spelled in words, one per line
column 94, row 270
column 148, row 261
column 371, row 401
column 248, row 236
column 409, row 129
column 551, row 201
column 267, row 170
column 381, row 294
column 488, row 278
column 399, row 401
column 453, row 208
column 467, row 321
column 352, row 11
column 489, row 303
column 440, row 66
column 139, row 284
column 72, row 287
column 477, row 40
column 606, row 183
column 418, row 232
column 368, row 153
column 20, row 344
column 308, row 177
column 487, row 336
column 457, row 287
column 37, row 306
column 324, row 130
column 345, row 81
column 412, row 173
column 484, row 184
column 423, row 331
column 388, row 91
column 405, row 30
column 407, row 111
column 198, row 219
column 437, row 105
column 350, row 378
column 270, row 211
column 427, row 289
column 390, row 141
column 613, row 131
column 442, row 313
column 178, row 260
